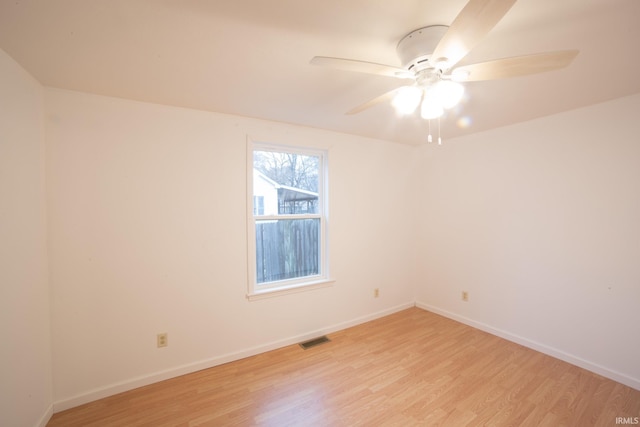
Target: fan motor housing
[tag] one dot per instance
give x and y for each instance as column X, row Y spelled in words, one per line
column 415, row 49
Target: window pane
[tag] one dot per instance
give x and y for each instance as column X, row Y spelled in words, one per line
column 258, row 205
column 285, row 183
column 287, row 249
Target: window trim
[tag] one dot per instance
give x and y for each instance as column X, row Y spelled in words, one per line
column 257, row 291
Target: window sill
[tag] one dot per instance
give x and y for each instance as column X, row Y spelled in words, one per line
column 292, row 289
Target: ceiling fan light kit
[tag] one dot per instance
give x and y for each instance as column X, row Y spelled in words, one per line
column 431, row 90
column 429, row 56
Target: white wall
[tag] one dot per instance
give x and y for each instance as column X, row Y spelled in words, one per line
column 540, row 223
column 148, row 234
column 25, row 352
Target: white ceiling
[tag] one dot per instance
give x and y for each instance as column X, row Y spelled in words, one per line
column 251, row 57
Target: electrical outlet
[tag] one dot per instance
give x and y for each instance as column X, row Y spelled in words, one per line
column 376, row 292
column 465, row 296
column 163, row 340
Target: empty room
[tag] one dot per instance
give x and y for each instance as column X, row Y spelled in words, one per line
column 336, row 213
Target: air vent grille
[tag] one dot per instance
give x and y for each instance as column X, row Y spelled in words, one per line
column 314, row 342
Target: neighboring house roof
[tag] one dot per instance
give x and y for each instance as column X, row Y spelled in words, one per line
column 265, row 178
column 288, row 193
column 293, row 194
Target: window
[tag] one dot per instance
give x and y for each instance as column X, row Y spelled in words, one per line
column 288, row 219
column 258, row 205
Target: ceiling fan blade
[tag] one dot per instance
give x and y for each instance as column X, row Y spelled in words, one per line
column 375, row 101
column 471, row 25
column 362, row 67
column 515, row 66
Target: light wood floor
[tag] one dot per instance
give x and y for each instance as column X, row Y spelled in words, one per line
column 413, row 368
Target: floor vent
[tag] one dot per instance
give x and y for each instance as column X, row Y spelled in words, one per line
column 314, row 342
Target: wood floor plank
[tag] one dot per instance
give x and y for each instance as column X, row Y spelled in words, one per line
column 412, row 368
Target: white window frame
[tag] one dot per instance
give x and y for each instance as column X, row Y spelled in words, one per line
column 264, row 290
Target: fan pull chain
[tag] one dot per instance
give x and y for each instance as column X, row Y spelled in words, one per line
column 439, row 139
column 429, row 137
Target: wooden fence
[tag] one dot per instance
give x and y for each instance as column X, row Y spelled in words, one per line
column 286, row 249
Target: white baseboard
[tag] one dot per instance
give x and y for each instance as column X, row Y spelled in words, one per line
column 141, row 381
column 44, row 419
column 542, row 348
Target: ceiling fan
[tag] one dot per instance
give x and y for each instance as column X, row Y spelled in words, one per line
column 429, row 56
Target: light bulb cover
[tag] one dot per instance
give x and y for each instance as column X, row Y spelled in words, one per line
column 431, row 107
column 449, row 93
column 407, row 99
